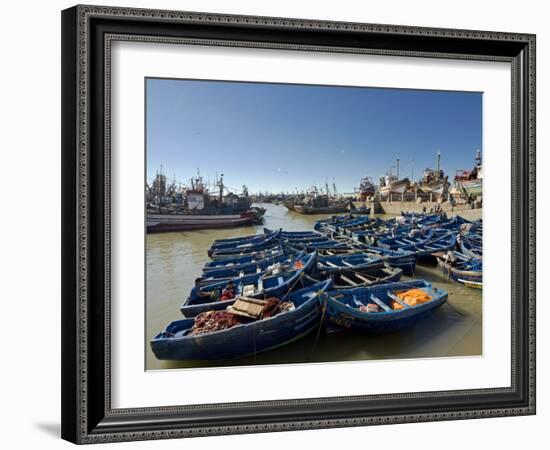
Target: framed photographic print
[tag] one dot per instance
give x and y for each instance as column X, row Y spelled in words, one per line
column 281, row 224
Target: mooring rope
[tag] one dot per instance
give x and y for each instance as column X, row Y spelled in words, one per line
column 322, row 321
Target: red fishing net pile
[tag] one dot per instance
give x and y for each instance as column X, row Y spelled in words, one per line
column 209, row 321
column 275, row 306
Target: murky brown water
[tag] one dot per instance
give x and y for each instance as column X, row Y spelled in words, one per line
column 174, row 260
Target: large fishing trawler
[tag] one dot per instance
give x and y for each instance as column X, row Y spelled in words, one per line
column 193, row 208
column 470, row 182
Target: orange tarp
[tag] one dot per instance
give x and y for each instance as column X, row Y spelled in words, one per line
column 412, row 297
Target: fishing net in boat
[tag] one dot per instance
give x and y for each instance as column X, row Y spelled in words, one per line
column 275, row 306
column 242, row 311
column 210, row 321
column 370, row 308
column 411, row 297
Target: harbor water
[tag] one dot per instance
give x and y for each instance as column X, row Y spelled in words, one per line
column 175, row 259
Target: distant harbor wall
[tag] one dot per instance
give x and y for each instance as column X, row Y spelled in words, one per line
column 395, row 208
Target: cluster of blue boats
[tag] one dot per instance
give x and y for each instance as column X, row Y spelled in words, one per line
column 342, row 276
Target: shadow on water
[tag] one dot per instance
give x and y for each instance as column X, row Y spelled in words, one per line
column 175, row 259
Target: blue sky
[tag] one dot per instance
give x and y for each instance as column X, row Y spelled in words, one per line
column 279, row 137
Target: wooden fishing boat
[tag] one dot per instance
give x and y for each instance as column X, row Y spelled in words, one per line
column 242, row 239
column 194, row 221
column 401, row 259
column 461, row 268
column 239, row 261
column 309, row 244
column 246, row 251
column 244, row 243
column 305, row 240
column 345, row 309
column 355, row 261
column 372, row 225
column 259, row 267
column 320, row 225
column 423, row 246
column 472, row 284
column 347, row 279
column 471, row 188
column 349, row 222
column 175, row 342
column 293, row 235
column 394, row 186
column 471, row 245
column 255, row 285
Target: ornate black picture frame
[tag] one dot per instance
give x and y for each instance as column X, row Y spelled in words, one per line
column 87, row 33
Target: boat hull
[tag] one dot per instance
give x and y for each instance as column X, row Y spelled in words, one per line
column 249, row 244
column 194, row 304
column 246, row 339
column 157, row 223
column 339, row 317
column 305, row 209
column 397, row 187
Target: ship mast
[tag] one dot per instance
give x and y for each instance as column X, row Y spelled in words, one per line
column 478, row 157
column 220, row 185
column 397, row 168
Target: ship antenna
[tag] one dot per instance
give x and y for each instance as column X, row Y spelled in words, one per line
column 478, row 156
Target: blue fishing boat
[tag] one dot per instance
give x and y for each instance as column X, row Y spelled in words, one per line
column 258, row 267
column 454, row 223
column 462, row 268
column 176, row 342
column 321, row 225
column 312, row 244
column 327, row 250
column 341, row 225
column 328, row 245
column 423, row 219
column 305, row 240
column 425, row 250
column 372, row 225
column 423, row 246
column 256, row 242
column 239, row 261
column 291, row 235
column 241, row 239
column 204, row 298
column 404, row 239
column 346, row 278
column 233, row 253
column 353, row 261
column 374, row 309
column 471, row 245
column 401, row 259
